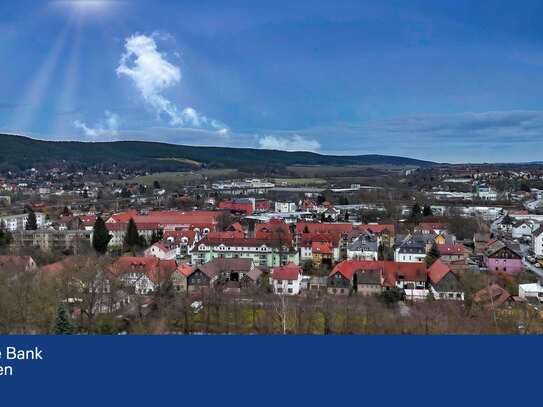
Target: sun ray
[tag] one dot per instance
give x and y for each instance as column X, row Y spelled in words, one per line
column 32, row 99
column 67, row 101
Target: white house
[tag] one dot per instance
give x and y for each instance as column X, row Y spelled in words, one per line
column 161, row 250
column 285, row 207
column 537, row 241
column 363, row 249
column 523, row 229
column 410, row 251
column 14, row 223
column 286, row 280
column 533, row 290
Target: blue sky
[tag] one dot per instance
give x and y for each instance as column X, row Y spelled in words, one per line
column 447, row 81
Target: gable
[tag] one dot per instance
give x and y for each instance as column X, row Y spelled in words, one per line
column 450, row 282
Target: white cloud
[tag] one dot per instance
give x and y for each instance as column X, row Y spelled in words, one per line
column 107, row 127
column 292, row 143
column 153, row 74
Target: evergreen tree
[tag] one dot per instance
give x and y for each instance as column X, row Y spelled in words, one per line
column 380, row 252
column 5, row 235
column 132, row 238
column 31, row 222
column 432, row 255
column 427, row 211
column 157, row 236
column 63, row 325
column 415, row 211
column 100, row 236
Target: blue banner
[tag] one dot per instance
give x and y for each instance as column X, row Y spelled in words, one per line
column 263, row 370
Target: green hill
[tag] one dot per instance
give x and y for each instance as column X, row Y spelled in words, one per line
column 24, row 152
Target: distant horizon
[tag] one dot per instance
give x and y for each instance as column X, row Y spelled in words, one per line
column 445, row 82
column 285, row 151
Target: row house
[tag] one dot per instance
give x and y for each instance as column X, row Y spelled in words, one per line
column 262, row 252
column 14, row 223
column 374, row 277
column 155, row 222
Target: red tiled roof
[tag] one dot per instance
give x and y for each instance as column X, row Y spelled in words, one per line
column 164, row 219
column 153, row 267
column 185, row 269
column 314, row 227
column 321, row 248
column 391, row 270
column 378, row 228
column 289, row 272
column 437, row 271
column 226, row 235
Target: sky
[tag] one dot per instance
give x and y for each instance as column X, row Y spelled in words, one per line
column 447, row 81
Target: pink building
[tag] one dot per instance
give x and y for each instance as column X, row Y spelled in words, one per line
column 502, row 257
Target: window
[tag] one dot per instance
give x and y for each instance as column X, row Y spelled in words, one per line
column 290, row 290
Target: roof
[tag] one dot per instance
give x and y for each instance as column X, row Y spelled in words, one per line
column 217, row 266
column 430, row 226
column 254, row 274
column 371, row 276
column 392, row 271
column 493, row 295
column 289, row 272
column 364, row 244
column 15, row 263
column 377, row 228
column 325, row 227
column 157, row 219
column 321, row 248
column 155, row 268
column 185, row 269
column 447, row 249
column 437, row 271
column 496, row 245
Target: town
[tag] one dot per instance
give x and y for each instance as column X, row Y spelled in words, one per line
column 438, row 249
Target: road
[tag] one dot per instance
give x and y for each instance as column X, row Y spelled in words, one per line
column 532, row 268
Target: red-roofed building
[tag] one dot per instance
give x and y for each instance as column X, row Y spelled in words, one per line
column 444, row 283
column 431, row 227
column 452, row 252
column 241, row 206
column 143, row 274
column 179, row 277
column 286, row 280
column 275, row 230
column 322, row 252
column 409, row 277
column 157, row 221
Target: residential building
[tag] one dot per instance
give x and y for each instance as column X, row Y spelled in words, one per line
column 503, row 256
column 537, row 241
column 444, row 283
column 410, row 251
column 14, row 223
column 262, row 252
column 286, row 280
column 532, row 290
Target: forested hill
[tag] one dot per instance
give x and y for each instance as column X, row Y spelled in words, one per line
column 23, row 152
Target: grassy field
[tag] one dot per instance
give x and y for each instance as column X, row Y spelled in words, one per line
column 296, row 182
column 184, row 177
